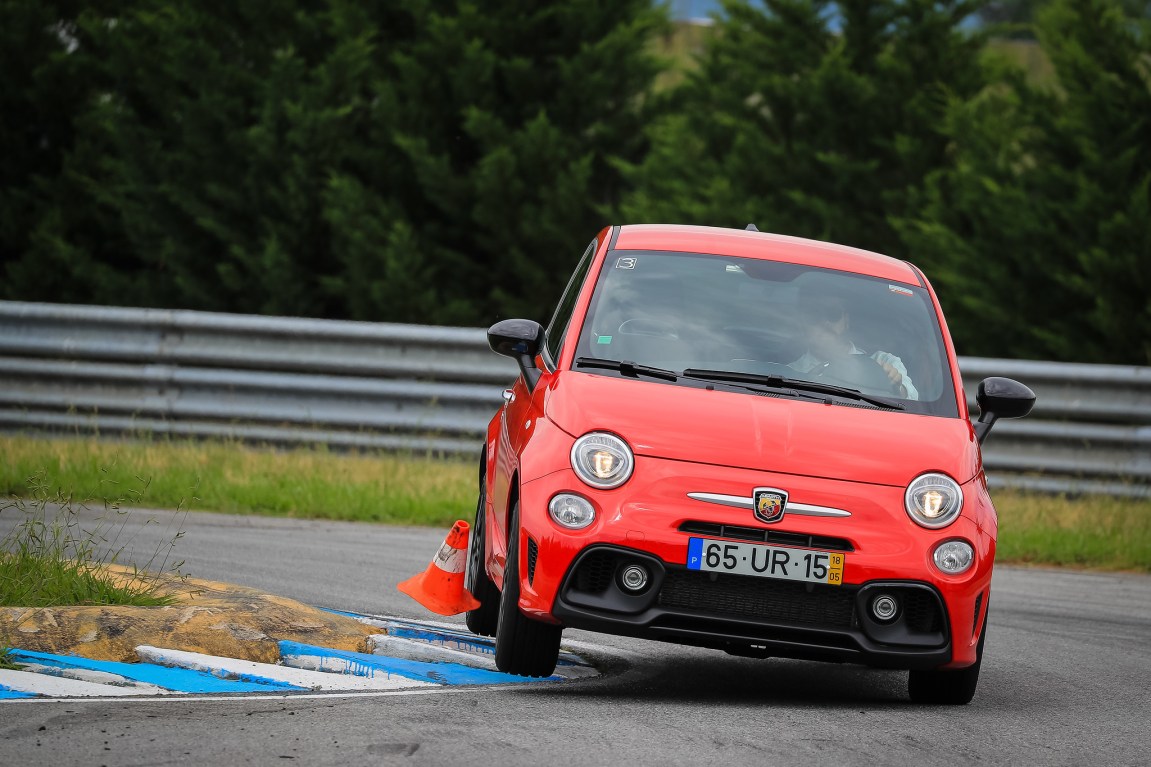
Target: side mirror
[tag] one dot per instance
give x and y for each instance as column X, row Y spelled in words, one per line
column 521, row 340
column 1001, row 398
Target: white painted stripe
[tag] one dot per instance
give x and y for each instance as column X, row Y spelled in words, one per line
column 475, row 655
column 410, row 649
column 226, row 668
column 450, row 559
column 98, row 677
column 435, row 690
column 58, row 687
column 456, row 636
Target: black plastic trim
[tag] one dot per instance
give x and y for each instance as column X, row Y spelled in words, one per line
column 764, row 535
column 643, row 617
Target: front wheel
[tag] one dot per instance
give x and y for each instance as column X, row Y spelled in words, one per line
column 483, row 619
column 524, row 646
column 947, row 687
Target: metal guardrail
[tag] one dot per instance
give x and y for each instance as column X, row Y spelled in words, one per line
column 116, row 371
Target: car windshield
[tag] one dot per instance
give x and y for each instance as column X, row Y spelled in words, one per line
column 709, row 315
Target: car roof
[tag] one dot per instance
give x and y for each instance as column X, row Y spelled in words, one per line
column 740, row 243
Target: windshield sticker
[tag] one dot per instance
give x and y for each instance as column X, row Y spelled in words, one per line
column 603, row 340
column 900, row 290
column 627, row 262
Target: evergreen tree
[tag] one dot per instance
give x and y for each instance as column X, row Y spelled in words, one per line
column 426, row 161
column 56, row 242
column 811, row 117
column 516, row 116
column 1039, row 237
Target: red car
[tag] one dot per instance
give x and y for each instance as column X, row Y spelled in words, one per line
column 743, row 441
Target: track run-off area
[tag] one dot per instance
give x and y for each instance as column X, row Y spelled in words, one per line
column 1064, row 681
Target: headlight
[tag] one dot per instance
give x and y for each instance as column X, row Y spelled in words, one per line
column 602, row 460
column 571, row 511
column 954, row 557
column 933, row 500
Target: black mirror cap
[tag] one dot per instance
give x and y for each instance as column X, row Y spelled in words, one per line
column 1005, row 397
column 521, row 340
column 515, row 338
column 1001, row 398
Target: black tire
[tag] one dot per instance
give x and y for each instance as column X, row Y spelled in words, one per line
column 951, row 687
column 523, row 646
column 484, row 618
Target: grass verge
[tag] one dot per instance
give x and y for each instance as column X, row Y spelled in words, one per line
column 1096, row 532
column 50, row 557
column 230, row 477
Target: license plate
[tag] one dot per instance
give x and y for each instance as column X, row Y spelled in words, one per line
column 765, row 561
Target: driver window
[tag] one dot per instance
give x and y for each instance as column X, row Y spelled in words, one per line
column 557, row 328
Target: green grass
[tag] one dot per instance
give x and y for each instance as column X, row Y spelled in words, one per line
column 52, row 557
column 1097, row 532
column 229, row 477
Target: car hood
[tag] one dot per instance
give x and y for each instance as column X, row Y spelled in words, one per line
column 765, row 433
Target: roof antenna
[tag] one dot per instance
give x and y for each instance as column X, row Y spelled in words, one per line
column 751, row 228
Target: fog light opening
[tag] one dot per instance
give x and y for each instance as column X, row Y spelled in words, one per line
column 885, row 608
column 634, row 578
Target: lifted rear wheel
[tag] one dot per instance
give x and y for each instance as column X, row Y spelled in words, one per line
column 523, row 646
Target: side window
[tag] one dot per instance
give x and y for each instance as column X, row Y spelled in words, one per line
column 557, row 328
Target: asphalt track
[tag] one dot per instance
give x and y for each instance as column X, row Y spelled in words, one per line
column 1065, row 681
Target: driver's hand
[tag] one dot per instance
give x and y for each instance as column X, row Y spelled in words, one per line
column 893, row 373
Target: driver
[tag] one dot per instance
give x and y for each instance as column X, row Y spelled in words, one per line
column 826, row 322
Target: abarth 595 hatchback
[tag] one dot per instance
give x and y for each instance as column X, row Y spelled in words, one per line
column 743, row 441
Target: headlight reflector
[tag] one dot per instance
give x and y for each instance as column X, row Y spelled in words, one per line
column 954, row 557
column 602, row 460
column 933, row 500
column 571, row 511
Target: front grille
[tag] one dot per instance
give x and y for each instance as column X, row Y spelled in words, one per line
column 742, row 596
column 763, row 535
column 595, row 572
column 921, row 611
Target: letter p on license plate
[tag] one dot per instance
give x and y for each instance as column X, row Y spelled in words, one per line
column 763, row 561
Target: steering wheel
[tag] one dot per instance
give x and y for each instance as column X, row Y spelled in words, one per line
column 858, row 371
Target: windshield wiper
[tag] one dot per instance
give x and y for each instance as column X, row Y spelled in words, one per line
column 630, row 369
column 779, row 382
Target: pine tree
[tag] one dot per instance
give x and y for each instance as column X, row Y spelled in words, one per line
column 57, row 242
column 1040, row 235
column 425, row 161
column 811, row 117
column 516, row 116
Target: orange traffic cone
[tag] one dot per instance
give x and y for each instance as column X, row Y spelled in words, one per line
column 440, row 587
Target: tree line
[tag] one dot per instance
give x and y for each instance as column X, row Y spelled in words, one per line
column 446, row 162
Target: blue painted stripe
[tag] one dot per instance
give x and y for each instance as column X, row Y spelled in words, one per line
column 439, row 673
column 486, row 645
column 483, row 644
column 422, row 632
column 178, row 679
column 7, row 693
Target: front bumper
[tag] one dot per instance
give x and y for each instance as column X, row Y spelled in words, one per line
column 571, row 577
column 745, row 615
